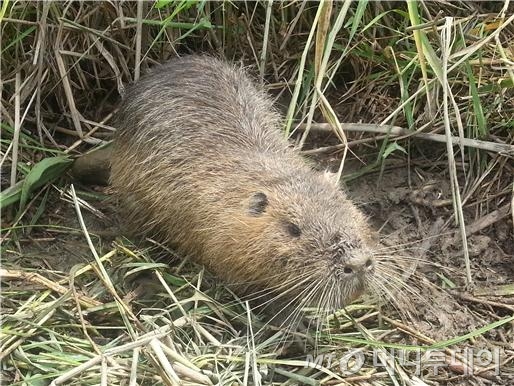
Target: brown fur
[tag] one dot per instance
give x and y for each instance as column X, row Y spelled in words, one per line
column 200, row 163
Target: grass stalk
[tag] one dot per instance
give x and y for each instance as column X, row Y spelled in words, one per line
column 446, row 40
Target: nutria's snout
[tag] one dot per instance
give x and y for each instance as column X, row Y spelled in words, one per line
column 351, row 273
column 359, row 263
column 352, row 257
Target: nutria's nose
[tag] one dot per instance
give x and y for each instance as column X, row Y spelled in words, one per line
column 359, row 264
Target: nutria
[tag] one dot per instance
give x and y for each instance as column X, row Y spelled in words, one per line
column 199, row 162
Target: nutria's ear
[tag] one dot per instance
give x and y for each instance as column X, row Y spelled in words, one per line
column 258, row 203
column 331, row 177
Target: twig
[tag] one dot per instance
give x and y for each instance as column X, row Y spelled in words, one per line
column 139, row 33
column 112, row 63
column 446, row 37
column 301, row 68
column 512, row 204
column 141, row 341
column 396, row 131
column 342, row 146
column 17, row 124
column 75, row 116
column 36, row 278
column 41, row 74
column 464, row 367
column 262, row 63
column 100, row 269
column 488, row 219
column 471, row 298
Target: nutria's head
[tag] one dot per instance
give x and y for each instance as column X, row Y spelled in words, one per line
column 302, row 240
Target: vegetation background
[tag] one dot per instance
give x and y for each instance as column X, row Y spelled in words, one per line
column 411, row 103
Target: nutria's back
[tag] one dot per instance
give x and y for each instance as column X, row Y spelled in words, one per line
column 199, row 162
column 201, row 90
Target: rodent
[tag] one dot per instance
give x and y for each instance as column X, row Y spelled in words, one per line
column 199, row 162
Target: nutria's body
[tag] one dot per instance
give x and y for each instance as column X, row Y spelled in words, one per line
column 200, row 163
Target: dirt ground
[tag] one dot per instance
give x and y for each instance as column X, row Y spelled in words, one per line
column 395, row 208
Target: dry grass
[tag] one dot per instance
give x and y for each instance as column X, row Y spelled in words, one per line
column 81, row 305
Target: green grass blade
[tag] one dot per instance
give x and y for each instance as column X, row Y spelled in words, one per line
column 43, row 172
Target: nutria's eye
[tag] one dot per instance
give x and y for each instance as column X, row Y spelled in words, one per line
column 258, row 204
column 293, row 229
